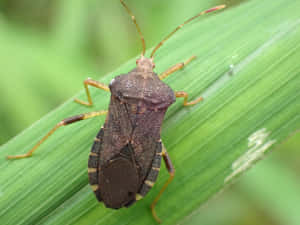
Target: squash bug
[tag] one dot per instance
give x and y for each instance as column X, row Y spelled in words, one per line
column 126, row 155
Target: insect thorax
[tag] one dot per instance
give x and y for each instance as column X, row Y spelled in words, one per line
column 139, row 87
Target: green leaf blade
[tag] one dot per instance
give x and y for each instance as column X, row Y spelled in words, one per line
column 246, row 112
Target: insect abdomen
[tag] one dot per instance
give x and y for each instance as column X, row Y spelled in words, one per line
column 153, row 172
column 93, row 165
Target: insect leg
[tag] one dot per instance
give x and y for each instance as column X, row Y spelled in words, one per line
column 93, row 83
column 64, row 122
column 174, row 68
column 171, row 171
column 183, row 94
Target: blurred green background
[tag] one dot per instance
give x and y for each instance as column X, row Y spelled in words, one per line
column 47, row 48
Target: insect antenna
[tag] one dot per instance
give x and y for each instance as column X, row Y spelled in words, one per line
column 186, row 22
column 137, row 26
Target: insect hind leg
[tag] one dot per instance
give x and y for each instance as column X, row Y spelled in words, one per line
column 64, row 122
column 171, row 171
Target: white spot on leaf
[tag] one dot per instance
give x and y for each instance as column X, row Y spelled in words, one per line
column 231, row 69
column 257, row 144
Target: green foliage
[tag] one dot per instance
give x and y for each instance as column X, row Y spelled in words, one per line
column 268, row 194
column 248, row 72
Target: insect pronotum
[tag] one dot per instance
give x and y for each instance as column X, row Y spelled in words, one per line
column 125, row 158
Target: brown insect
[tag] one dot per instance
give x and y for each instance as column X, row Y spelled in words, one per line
column 126, row 155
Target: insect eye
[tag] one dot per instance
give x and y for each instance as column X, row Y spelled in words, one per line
column 137, row 61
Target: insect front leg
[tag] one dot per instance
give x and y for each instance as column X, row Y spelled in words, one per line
column 93, row 83
column 64, row 122
column 171, row 171
column 174, row 68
